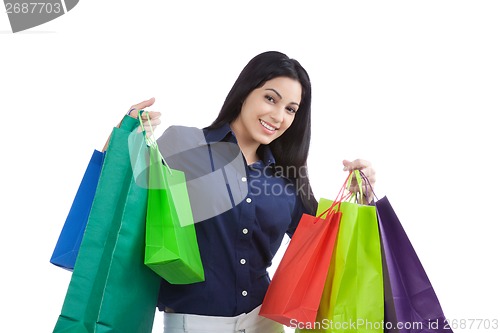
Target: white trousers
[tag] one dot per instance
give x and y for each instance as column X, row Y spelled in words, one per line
column 244, row 323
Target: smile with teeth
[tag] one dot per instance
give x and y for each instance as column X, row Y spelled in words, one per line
column 267, row 126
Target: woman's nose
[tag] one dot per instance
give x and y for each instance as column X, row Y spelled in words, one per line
column 278, row 114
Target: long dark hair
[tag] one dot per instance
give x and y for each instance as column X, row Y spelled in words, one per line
column 291, row 149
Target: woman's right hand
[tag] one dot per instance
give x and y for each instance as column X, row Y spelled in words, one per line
column 149, row 126
column 154, row 116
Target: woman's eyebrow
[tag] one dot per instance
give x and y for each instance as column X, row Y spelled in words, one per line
column 279, row 95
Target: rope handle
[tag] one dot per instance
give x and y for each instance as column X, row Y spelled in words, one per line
column 346, row 195
column 151, row 141
column 343, row 195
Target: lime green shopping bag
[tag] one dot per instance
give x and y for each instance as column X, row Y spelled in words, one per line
column 353, row 297
column 171, row 244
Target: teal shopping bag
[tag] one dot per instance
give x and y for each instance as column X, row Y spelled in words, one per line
column 111, row 290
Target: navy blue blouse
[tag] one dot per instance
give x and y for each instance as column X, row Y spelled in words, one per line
column 238, row 245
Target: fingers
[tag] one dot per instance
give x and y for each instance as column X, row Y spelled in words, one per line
column 134, row 109
column 369, row 172
column 150, row 119
column 357, row 164
column 361, row 165
column 144, row 104
column 152, row 115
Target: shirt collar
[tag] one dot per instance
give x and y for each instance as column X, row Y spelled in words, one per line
column 218, row 134
column 224, row 133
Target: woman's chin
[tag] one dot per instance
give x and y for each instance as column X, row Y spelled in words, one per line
column 267, row 140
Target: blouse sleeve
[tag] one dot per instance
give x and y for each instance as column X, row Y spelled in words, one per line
column 298, row 211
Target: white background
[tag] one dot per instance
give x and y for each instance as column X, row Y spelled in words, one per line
column 411, row 86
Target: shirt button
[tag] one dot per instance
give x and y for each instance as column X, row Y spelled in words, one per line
column 243, row 261
column 245, row 231
column 244, row 293
column 243, row 179
column 249, row 200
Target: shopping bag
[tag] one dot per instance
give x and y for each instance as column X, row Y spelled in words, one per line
column 411, row 299
column 111, row 290
column 171, row 244
column 70, row 238
column 390, row 323
column 295, row 290
column 353, row 294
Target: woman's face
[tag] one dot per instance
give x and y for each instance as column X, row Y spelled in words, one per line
column 268, row 111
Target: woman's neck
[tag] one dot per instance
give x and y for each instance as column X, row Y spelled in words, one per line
column 247, row 145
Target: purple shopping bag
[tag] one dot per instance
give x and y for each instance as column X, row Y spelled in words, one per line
column 410, row 298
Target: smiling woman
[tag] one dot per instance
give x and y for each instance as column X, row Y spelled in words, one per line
column 412, row 87
column 267, row 117
column 266, row 114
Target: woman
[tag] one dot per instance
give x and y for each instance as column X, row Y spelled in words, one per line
column 267, row 113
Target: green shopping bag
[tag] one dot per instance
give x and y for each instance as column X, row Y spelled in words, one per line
column 171, row 244
column 353, row 297
column 111, row 290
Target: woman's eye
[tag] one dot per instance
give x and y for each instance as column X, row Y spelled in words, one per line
column 292, row 110
column 270, row 98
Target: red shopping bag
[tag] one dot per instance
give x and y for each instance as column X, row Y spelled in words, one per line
column 295, row 291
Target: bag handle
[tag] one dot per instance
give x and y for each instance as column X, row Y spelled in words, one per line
column 353, row 196
column 151, row 141
column 367, row 183
column 343, row 194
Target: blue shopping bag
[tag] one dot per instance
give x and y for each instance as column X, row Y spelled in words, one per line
column 70, row 238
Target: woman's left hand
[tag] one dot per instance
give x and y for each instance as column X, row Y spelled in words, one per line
column 367, row 169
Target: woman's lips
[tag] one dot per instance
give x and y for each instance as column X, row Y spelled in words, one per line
column 267, row 126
